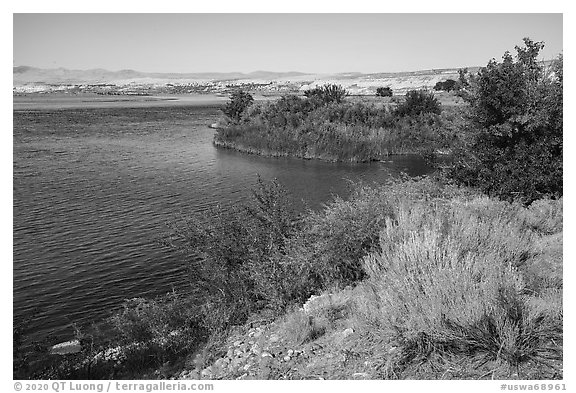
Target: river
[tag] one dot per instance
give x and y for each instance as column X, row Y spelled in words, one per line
column 93, row 189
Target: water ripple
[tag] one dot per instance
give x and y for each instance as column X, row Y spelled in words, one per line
column 93, row 189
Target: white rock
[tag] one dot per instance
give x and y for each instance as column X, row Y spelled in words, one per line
column 316, row 303
column 66, row 348
column 347, row 332
column 274, row 338
column 206, row 373
column 220, row 363
column 341, row 336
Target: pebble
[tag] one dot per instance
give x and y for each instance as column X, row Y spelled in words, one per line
column 347, row 332
column 341, row 336
column 221, row 363
column 287, row 358
column 192, row 375
column 274, row 338
column 265, row 362
column 266, row 355
column 206, row 373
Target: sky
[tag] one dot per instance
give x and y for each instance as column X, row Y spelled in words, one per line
column 315, row 43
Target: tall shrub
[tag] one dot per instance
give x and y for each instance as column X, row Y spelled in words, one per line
column 384, row 92
column 447, row 85
column 235, row 256
column 447, row 281
column 418, row 102
column 239, row 102
column 516, row 115
column 327, row 94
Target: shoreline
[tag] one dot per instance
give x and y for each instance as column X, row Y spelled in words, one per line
column 61, row 101
column 275, row 154
column 88, row 101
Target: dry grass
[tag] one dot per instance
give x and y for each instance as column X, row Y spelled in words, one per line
column 448, row 281
column 299, row 328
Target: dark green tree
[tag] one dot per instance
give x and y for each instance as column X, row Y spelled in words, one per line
column 447, row 85
column 326, row 94
column 418, row 102
column 515, row 152
column 239, row 102
column 384, row 92
column 463, row 77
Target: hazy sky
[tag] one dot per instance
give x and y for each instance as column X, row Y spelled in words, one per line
column 276, row 42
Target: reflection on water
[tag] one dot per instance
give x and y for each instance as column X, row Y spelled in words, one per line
column 94, row 187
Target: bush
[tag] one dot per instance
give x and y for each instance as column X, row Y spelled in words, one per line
column 447, row 85
column 165, row 321
column 300, row 328
column 447, row 281
column 326, row 94
column 516, row 114
column 418, row 102
column 140, row 338
column 338, row 237
column 384, row 92
column 239, row 102
column 236, row 257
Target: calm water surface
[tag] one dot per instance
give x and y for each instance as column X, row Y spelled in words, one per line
column 94, row 188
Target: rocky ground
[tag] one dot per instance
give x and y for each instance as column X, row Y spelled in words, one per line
column 305, row 344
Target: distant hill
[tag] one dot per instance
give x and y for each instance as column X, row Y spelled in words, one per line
column 26, row 74
column 30, row 79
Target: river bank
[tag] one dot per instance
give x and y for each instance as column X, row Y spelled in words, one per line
column 325, row 157
column 389, row 322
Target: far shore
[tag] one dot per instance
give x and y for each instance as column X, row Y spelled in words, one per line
column 36, row 101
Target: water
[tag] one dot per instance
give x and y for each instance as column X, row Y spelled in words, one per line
column 94, row 188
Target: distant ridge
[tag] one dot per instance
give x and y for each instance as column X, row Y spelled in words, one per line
column 31, row 79
column 26, row 74
column 23, row 75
